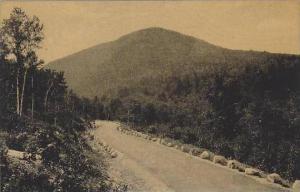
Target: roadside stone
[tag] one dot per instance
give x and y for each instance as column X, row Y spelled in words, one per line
column 196, row 151
column 205, row 155
column 162, row 141
column 296, row 185
column 275, row 178
column 232, row 164
column 154, row 139
column 92, row 137
column 170, row 144
column 114, row 155
column 251, row 171
column 218, row 159
column 185, row 149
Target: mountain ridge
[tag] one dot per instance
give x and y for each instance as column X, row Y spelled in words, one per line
column 148, row 53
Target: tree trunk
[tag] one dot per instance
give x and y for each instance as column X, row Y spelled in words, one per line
column 18, row 93
column 46, row 96
column 23, row 90
column 32, row 97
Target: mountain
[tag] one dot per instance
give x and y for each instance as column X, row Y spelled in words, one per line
column 145, row 54
column 239, row 104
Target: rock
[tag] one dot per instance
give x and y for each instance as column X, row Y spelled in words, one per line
column 114, row 155
column 205, row 155
column 154, row 139
column 251, row 171
column 234, row 164
column 275, row 178
column 196, row 151
column 162, row 141
column 296, row 185
column 185, row 149
column 170, row 144
column 108, row 149
column 16, row 154
column 92, row 137
column 218, row 159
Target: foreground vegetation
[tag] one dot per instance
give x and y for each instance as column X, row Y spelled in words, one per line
column 41, row 117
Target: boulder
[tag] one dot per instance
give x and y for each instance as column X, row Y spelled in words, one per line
column 296, row 185
column 108, row 149
column 232, row 164
column 16, row 154
column 252, row 171
column 275, row 178
column 170, row 144
column 143, row 136
column 92, row 137
column 154, row 139
column 185, row 149
column 205, row 155
column 114, row 155
column 196, row 151
column 164, row 142
column 218, row 159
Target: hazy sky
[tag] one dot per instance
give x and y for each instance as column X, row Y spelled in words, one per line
column 272, row 26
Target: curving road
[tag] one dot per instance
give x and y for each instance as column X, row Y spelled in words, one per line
column 149, row 166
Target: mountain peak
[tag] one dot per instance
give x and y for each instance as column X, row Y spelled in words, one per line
column 163, row 35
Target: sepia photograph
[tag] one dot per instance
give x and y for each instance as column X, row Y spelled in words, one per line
column 150, row 96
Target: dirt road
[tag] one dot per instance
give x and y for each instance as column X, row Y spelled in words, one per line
column 149, row 166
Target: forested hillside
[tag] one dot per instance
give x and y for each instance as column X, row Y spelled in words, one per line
column 242, row 104
column 249, row 113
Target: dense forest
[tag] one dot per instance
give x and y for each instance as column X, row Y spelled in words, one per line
column 39, row 115
column 248, row 112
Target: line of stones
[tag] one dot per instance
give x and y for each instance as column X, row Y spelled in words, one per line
column 217, row 159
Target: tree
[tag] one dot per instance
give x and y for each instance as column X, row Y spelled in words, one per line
column 21, row 36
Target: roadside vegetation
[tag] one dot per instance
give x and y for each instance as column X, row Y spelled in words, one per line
column 41, row 118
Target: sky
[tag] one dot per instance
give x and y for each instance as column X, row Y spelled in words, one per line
column 71, row 26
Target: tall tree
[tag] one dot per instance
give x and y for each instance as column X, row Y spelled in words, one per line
column 21, row 36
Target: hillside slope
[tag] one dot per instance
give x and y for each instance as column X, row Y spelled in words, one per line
column 152, row 52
